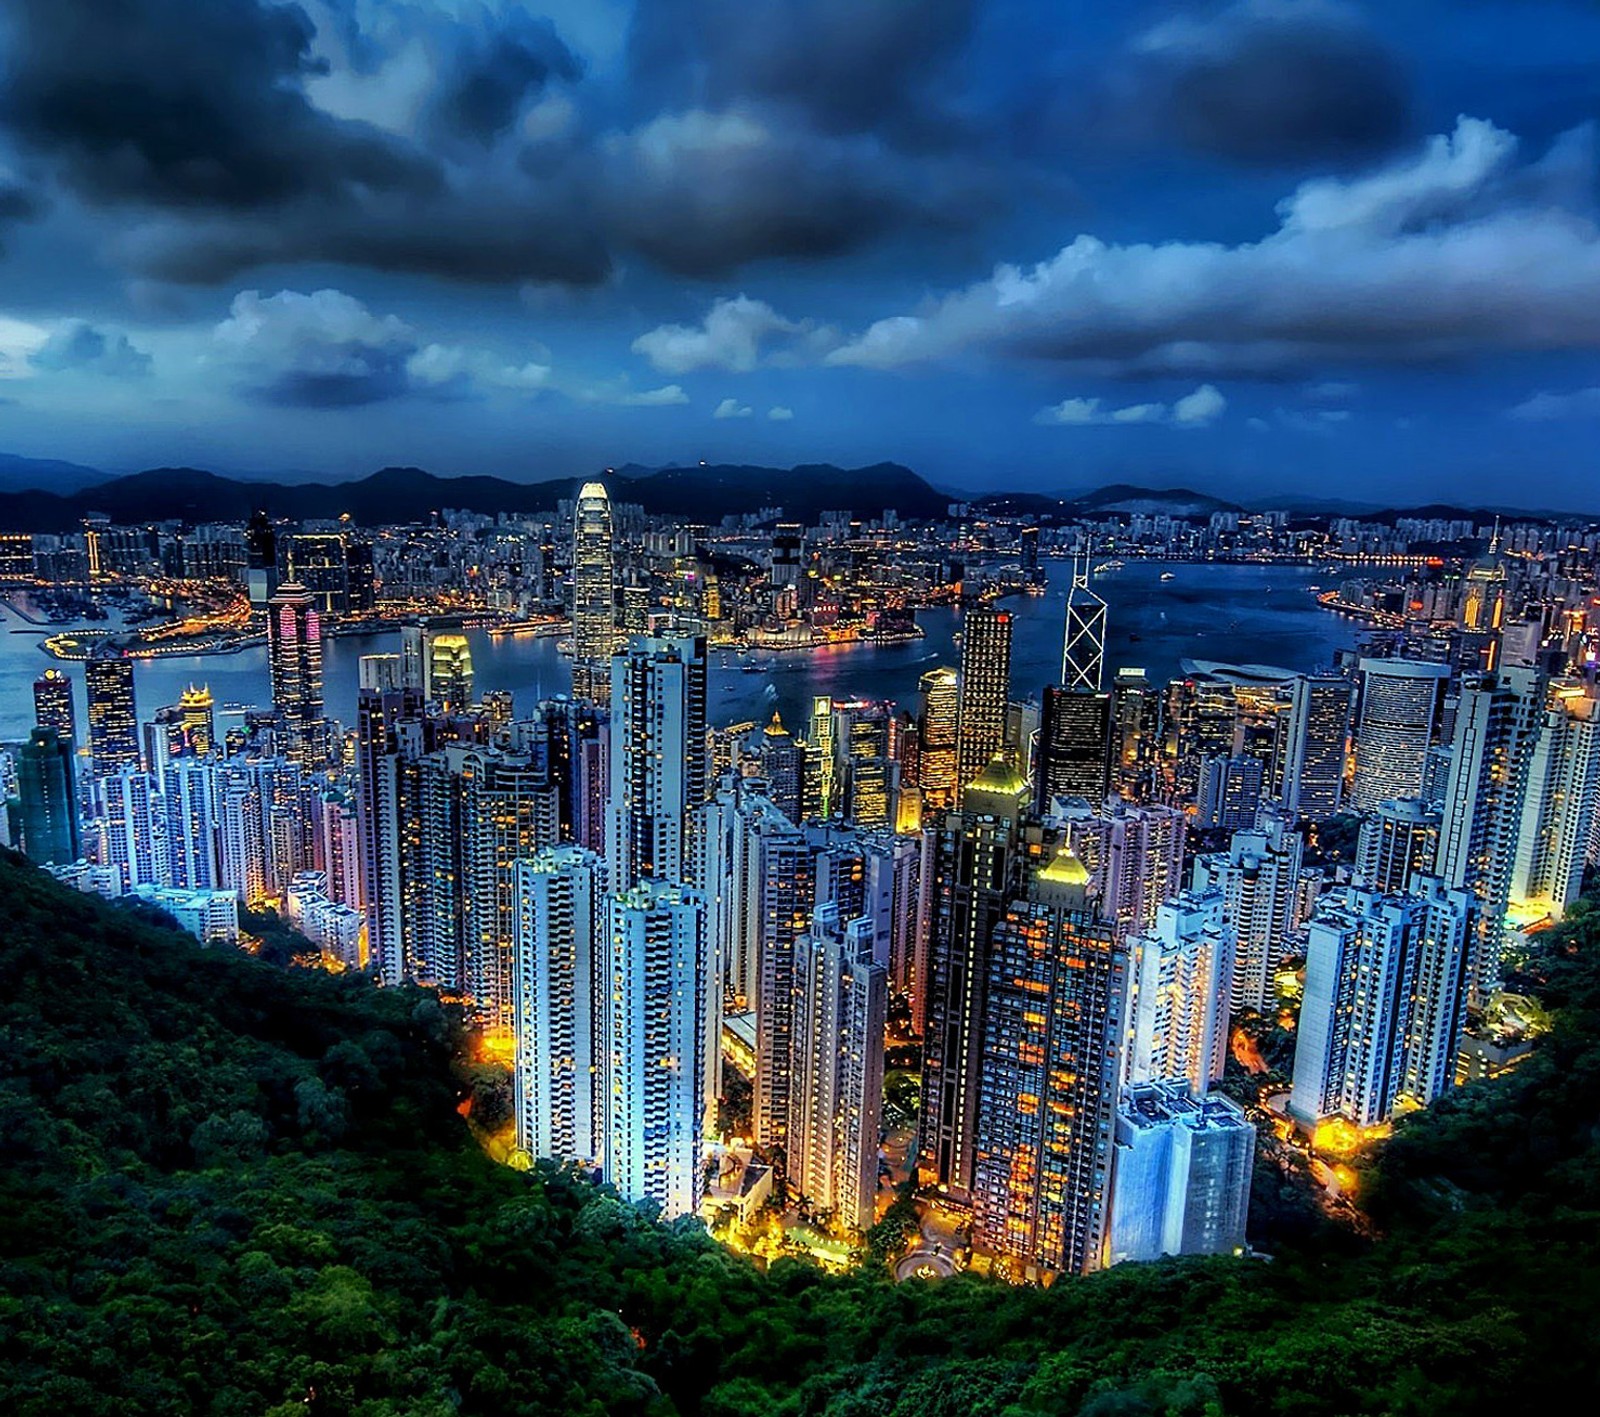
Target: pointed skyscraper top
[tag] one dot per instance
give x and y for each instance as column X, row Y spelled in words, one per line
column 1083, row 656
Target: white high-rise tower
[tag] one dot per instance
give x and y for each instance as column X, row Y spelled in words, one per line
column 593, row 595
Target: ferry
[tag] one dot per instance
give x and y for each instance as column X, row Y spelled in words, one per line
column 1168, row 576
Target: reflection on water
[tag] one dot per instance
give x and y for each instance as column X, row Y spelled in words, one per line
column 1247, row 614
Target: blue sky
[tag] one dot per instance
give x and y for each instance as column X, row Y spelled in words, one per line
column 1342, row 249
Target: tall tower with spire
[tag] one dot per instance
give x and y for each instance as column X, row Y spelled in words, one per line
column 1083, row 656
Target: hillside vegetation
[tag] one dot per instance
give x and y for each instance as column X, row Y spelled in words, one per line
column 230, row 1188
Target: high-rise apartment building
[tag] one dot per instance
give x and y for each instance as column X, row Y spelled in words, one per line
column 1182, row 988
column 654, row 1042
column 593, row 594
column 1052, row 1065
column 836, row 1068
column 1380, row 1021
column 1397, row 839
column 1498, row 723
column 1182, row 1175
column 1259, row 878
column 985, row 690
column 558, row 999
column 659, row 766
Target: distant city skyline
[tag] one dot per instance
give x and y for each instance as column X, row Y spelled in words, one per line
column 1246, row 247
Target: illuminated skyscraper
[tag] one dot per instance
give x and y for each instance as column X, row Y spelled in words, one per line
column 1497, row 727
column 1182, row 984
column 1400, row 702
column 450, row 671
column 47, row 799
column 1052, row 1066
column 975, row 860
column 659, row 764
column 1560, row 805
column 654, row 1042
column 1380, row 1022
column 294, row 653
column 558, row 991
column 593, row 594
column 1396, row 840
column 52, row 704
column 937, row 738
column 985, row 690
column 1316, row 737
column 1259, row 877
column 1083, row 657
column 113, row 715
column 836, row 1068
column 197, row 714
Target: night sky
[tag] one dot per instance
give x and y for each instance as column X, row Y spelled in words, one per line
column 1346, row 250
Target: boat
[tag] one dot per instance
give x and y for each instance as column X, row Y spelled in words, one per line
column 1168, row 576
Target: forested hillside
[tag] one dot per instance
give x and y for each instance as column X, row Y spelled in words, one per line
column 230, row 1188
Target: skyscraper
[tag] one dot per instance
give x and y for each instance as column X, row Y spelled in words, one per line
column 985, row 690
column 450, row 671
column 937, row 738
column 975, row 861
column 1380, row 1021
column 1182, row 1174
column 1396, row 840
column 113, row 715
column 593, row 594
column 1182, row 985
column 1497, row 726
column 52, row 704
column 1316, row 736
column 836, row 1068
column 1051, row 1070
column 47, row 799
column 1259, row 878
column 1074, row 756
column 1083, row 657
column 382, row 707
column 1135, row 856
column 558, row 990
column 136, row 829
column 659, row 766
column 1560, row 804
column 189, row 788
column 1400, row 702
column 197, row 714
column 294, row 652
column 654, row 1042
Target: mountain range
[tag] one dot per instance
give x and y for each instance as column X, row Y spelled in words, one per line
column 42, row 495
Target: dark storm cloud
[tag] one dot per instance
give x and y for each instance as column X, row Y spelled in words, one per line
column 197, row 118
column 82, row 346
column 494, row 72
column 187, row 102
column 703, row 193
column 1270, row 82
column 851, row 65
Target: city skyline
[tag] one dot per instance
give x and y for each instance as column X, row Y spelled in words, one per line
column 538, row 241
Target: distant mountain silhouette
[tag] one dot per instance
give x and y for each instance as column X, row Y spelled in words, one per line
column 398, row 495
column 20, row 474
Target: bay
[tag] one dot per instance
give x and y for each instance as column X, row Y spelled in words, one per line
column 1252, row 614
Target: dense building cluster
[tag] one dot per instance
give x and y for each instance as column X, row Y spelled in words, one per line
column 1066, row 895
